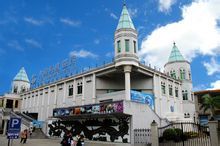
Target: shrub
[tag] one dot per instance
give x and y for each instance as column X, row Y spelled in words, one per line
column 178, row 131
column 191, row 134
column 169, row 134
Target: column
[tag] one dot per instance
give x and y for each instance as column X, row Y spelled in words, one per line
column 64, row 93
column 213, row 128
column 94, row 88
column 154, row 134
column 83, row 90
column 74, row 92
column 55, row 96
column 127, row 70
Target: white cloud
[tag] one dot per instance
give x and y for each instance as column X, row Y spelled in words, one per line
column 212, row 67
column 33, row 21
column 96, row 41
column 196, row 33
column 215, row 85
column 113, row 16
column 33, row 43
column 15, row 45
column 70, row 22
column 165, row 5
column 83, row 54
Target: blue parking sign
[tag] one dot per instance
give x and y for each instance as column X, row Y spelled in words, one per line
column 14, row 128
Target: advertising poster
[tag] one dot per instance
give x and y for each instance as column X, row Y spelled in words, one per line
column 145, row 98
column 114, row 107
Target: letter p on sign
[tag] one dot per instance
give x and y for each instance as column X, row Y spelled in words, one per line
column 14, row 122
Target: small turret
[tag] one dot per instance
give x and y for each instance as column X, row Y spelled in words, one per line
column 179, row 68
column 125, row 40
column 20, row 82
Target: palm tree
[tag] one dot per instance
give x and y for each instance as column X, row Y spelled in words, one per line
column 211, row 103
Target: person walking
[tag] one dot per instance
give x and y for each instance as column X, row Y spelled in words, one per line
column 80, row 141
column 24, row 136
column 67, row 139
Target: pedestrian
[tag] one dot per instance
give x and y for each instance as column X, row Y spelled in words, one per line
column 30, row 131
column 67, row 139
column 80, row 141
column 24, row 136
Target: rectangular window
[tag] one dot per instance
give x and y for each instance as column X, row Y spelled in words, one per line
column 185, row 95
column 163, row 88
column 176, row 92
column 135, row 47
column 127, row 45
column 170, row 90
column 79, row 88
column 119, row 46
column 70, row 90
column 16, row 103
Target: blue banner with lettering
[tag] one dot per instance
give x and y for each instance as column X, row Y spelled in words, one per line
column 145, row 98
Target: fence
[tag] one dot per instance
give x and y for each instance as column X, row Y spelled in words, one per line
column 184, row 134
column 142, row 136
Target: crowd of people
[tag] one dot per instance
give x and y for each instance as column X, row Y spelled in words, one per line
column 69, row 140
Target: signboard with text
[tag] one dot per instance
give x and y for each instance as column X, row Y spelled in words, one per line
column 14, row 128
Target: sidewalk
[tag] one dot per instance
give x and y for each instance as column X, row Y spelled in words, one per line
column 30, row 142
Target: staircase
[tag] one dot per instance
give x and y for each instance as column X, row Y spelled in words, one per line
column 38, row 134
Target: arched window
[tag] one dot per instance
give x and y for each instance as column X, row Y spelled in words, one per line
column 16, row 103
column 23, row 89
column 119, row 46
column 189, row 75
column 185, row 95
column 79, row 88
column 135, row 49
column 70, row 90
column 173, row 74
column 15, row 89
column 127, row 45
column 182, row 74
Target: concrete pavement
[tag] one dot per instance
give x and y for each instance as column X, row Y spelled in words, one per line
column 30, row 142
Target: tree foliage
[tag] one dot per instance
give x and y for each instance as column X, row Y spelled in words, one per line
column 210, row 103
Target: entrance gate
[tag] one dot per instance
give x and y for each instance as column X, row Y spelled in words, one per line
column 184, row 134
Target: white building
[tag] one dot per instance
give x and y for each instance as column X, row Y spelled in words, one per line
column 145, row 94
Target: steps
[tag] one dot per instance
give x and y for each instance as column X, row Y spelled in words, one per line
column 38, row 134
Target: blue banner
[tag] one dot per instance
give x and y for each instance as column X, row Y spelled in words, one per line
column 145, row 98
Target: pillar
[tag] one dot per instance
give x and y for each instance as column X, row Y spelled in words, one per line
column 127, row 70
column 154, row 134
column 213, row 130
column 93, row 88
column 6, row 118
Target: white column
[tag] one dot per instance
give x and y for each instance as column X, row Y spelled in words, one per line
column 127, row 70
column 64, row 93
column 154, row 134
column 83, row 90
column 94, row 88
column 48, row 105
column 55, row 96
column 74, row 92
column 213, row 126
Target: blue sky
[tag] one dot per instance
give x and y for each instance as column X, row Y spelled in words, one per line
column 40, row 33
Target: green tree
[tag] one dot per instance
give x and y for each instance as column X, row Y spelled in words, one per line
column 211, row 103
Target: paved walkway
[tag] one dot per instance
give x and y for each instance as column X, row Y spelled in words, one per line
column 30, row 142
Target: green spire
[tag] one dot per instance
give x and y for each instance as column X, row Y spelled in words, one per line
column 175, row 54
column 21, row 76
column 125, row 20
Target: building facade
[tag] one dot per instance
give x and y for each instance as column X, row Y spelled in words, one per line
column 126, row 92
